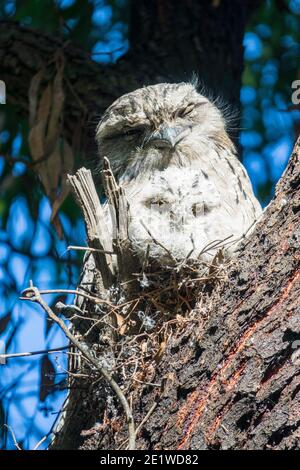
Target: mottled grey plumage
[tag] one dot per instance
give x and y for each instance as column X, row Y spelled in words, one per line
column 158, row 126
column 186, row 211
column 169, row 139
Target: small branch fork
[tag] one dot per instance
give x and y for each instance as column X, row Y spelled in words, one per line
column 33, row 294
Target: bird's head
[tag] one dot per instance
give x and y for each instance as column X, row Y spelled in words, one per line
column 154, row 126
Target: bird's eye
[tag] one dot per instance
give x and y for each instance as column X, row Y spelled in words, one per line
column 134, row 131
column 185, row 111
column 189, row 109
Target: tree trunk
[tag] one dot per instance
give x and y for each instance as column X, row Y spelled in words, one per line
column 236, row 383
column 228, row 377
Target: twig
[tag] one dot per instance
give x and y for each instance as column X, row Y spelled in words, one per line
column 78, row 293
column 146, row 418
column 158, row 243
column 146, row 383
column 214, row 244
column 40, row 442
column 13, row 436
column 33, row 353
column 88, row 248
column 32, row 293
column 248, row 231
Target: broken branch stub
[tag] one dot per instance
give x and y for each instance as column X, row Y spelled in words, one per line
column 97, row 230
column 119, row 210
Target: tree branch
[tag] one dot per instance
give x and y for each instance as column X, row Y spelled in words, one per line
column 32, row 353
column 33, row 294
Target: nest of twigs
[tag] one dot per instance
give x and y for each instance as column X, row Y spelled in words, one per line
column 167, row 300
column 129, row 311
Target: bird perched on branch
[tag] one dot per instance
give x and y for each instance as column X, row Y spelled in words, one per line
column 169, row 143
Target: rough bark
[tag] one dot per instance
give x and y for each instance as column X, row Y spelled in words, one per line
column 229, row 378
column 169, row 41
column 237, row 383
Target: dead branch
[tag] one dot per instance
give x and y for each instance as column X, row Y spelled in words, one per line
column 32, row 293
column 33, row 353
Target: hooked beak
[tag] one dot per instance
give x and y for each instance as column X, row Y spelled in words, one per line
column 166, row 137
